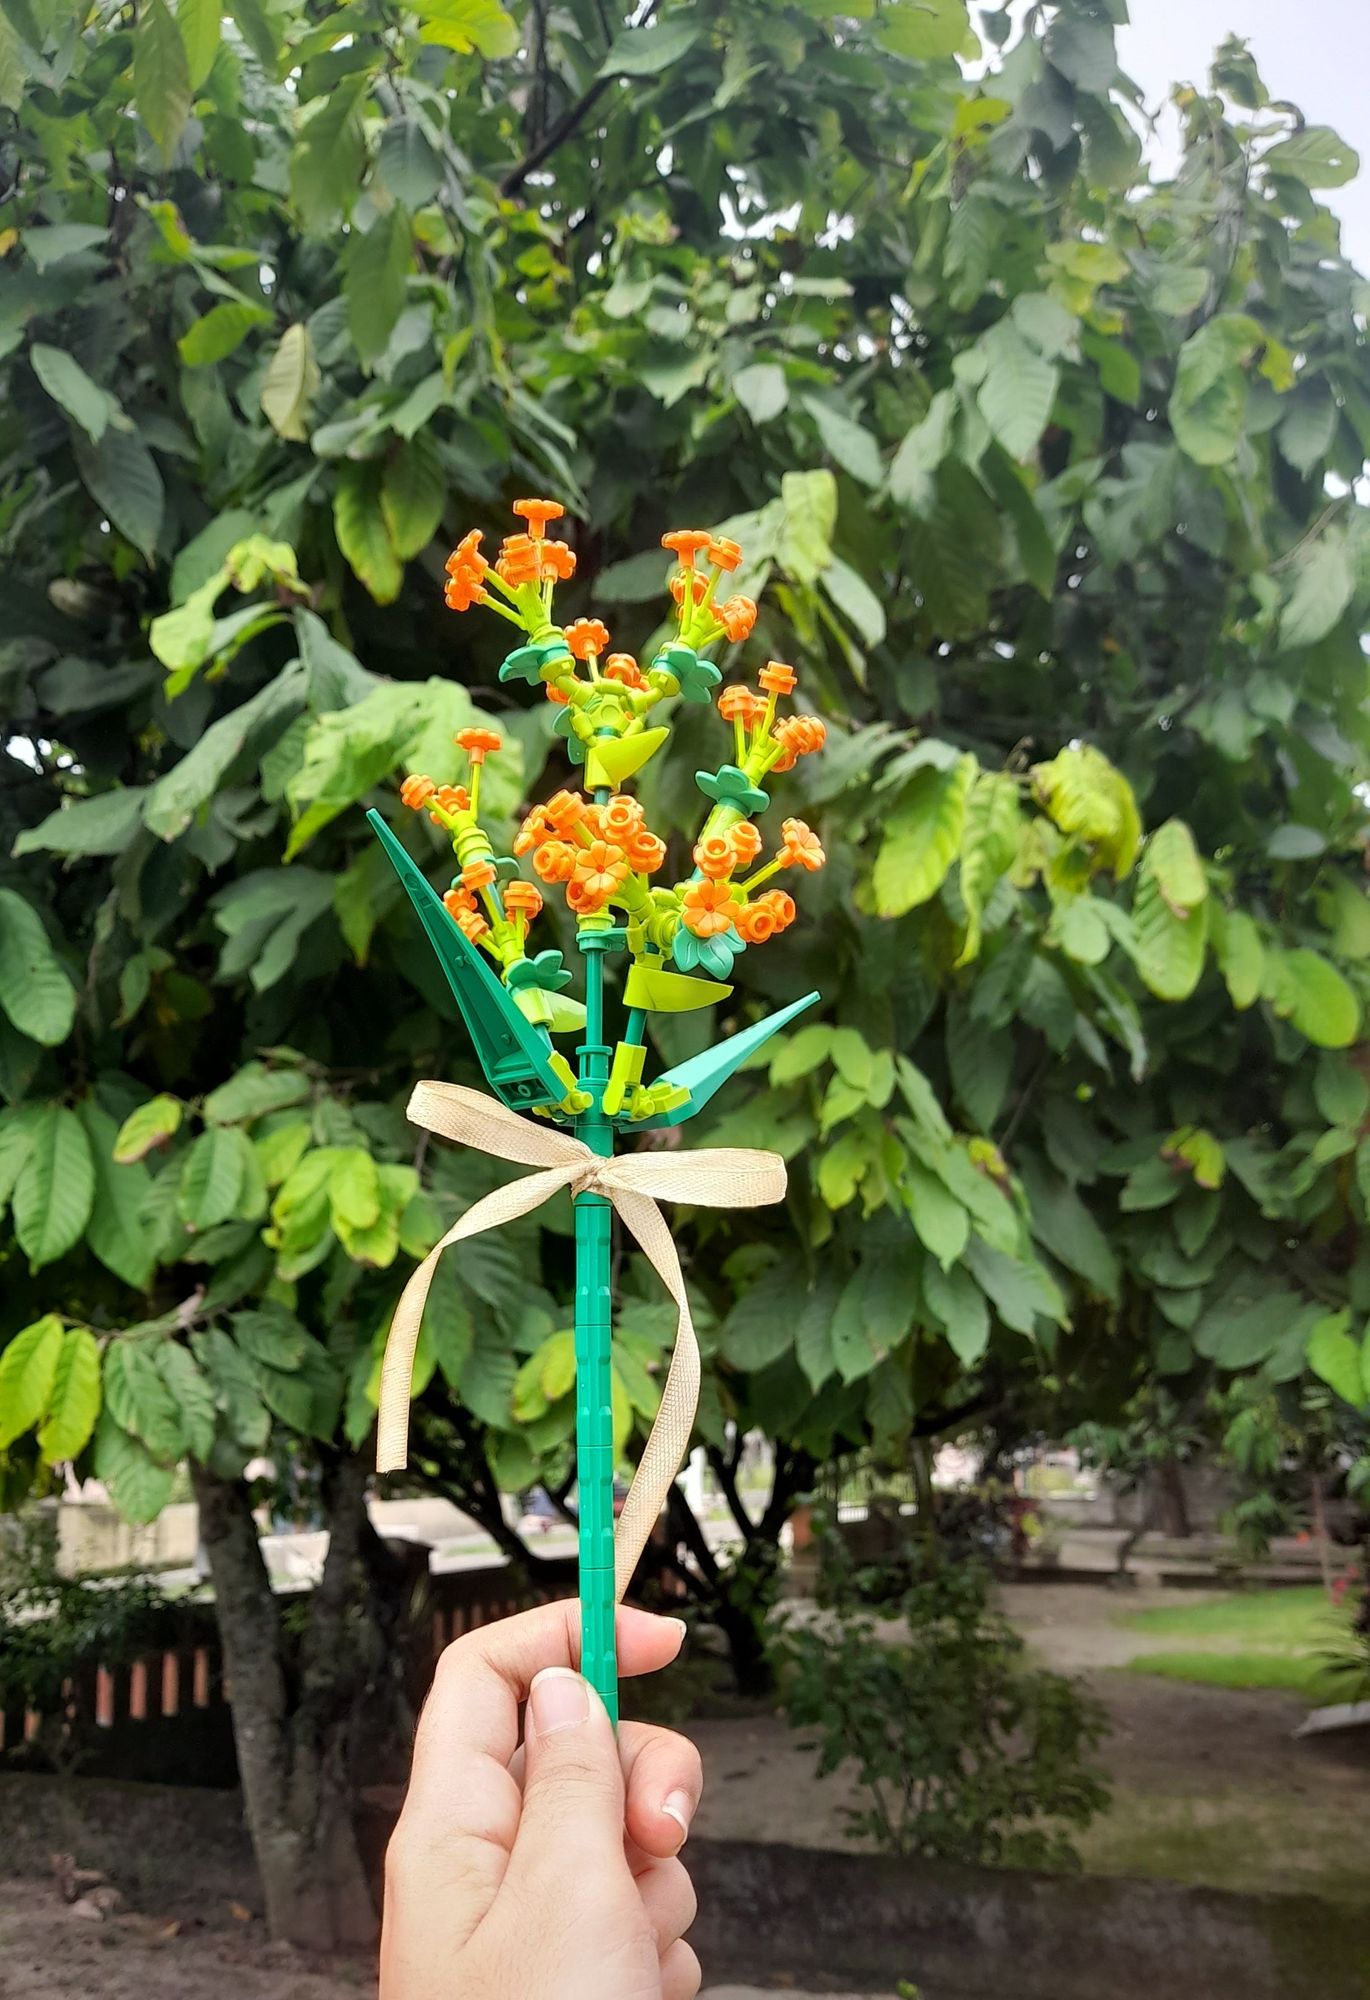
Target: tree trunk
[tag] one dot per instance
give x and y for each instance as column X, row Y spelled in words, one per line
column 294, row 1712
column 1174, row 1507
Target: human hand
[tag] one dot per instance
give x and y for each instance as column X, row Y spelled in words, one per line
column 547, row 1871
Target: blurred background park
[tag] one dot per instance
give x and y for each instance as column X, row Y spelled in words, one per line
column 1023, row 1543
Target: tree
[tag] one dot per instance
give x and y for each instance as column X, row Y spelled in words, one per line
column 1049, row 475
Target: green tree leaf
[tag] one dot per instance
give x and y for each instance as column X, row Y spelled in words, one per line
column 1316, row 156
column 69, row 386
column 161, row 75
column 56, row 1186
column 923, row 834
column 28, row 1371
column 121, row 475
column 191, row 1392
column 73, row 1402
column 1321, row 589
column 137, row 1396
column 762, row 390
column 1208, row 404
column 221, row 331
column 1305, row 988
column 375, row 283
column 116, row 1231
column 330, row 154
column 198, row 24
column 1017, row 390
column 137, row 1484
column 212, row 1178
column 152, row 1124
column 290, row 384
column 363, row 537
column 954, row 1298
column 939, row 1220
column 35, row 992
column 412, row 494
column 924, row 30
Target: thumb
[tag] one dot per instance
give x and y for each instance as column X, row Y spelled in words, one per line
column 573, row 1783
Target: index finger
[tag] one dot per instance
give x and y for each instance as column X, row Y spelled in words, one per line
column 472, row 1712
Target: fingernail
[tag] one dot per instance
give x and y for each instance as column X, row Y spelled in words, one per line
column 679, row 1806
column 558, row 1699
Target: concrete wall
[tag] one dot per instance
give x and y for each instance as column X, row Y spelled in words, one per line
column 829, row 1922
column 91, row 1536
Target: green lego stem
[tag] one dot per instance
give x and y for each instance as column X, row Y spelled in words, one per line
column 594, row 1377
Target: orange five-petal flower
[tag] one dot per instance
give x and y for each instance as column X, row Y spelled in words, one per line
column 537, row 513
column 706, row 908
column 601, row 868
column 801, row 846
column 587, row 636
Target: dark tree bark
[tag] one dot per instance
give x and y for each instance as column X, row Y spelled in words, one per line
column 296, row 1708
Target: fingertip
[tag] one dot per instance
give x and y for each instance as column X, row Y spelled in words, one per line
column 647, row 1641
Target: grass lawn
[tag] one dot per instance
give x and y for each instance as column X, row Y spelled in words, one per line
column 1250, row 1639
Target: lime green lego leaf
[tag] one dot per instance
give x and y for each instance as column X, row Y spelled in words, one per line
column 28, row 1371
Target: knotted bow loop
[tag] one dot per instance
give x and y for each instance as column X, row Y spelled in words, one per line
column 718, row 1177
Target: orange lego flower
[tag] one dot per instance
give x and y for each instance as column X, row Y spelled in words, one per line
column 706, row 908
column 781, row 907
column 755, row 922
column 464, row 590
column 620, row 816
column 537, row 513
column 533, row 829
column 746, row 842
column 646, row 851
column 587, row 636
column 472, row 925
column 478, row 742
column 557, row 560
column 478, row 874
column 777, row 678
column 564, row 811
column 519, row 560
column 622, row 667
column 457, row 900
column 466, row 558
column 715, row 857
column 726, row 554
column 601, row 868
column 555, row 694
column 739, row 704
column 687, row 543
column 416, row 791
column 801, row 847
column 555, row 860
column 453, row 798
column 801, row 734
column 698, row 586
column 522, row 899
column 582, row 902
column 737, row 617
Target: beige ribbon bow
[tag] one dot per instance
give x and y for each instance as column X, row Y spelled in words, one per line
column 716, row 1177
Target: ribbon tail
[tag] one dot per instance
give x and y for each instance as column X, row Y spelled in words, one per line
column 505, row 1204
column 669, row 1438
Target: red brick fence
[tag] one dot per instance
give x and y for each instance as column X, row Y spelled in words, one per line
column 165, row 1715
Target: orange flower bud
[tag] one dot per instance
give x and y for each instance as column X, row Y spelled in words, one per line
column 533, row 830
column 472, row 925
column 453, row 798
column 556, row 694
column 522, row 899
column 739, row 704
column 622, row 667
column 555, row 861
column 466, row 558
column 416, row 791
column 756, row 922
column 646, row 851
column 584, row 900
column 564, row 810
column 746, row 842
column 478, row 742
column 462, row 591
column 715, row 857
column 457, row 900
column 698, row 586
column 557, row 560
column 777, row 678
column 519, row 560
column 620, row 816
column 781, row 907
column 478, row 874
column 726, row 554
column 587, row 636
column 737, row 617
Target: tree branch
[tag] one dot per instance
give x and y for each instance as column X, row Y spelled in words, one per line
column 570, row 121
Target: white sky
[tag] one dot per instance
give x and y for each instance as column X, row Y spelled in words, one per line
column 1316, row 52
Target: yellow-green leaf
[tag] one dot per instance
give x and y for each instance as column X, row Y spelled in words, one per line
column 74, row 1401
column 922, row 837
column 152, row 1124
column 362, row 533
column 291, row 382
column 28, row 1370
